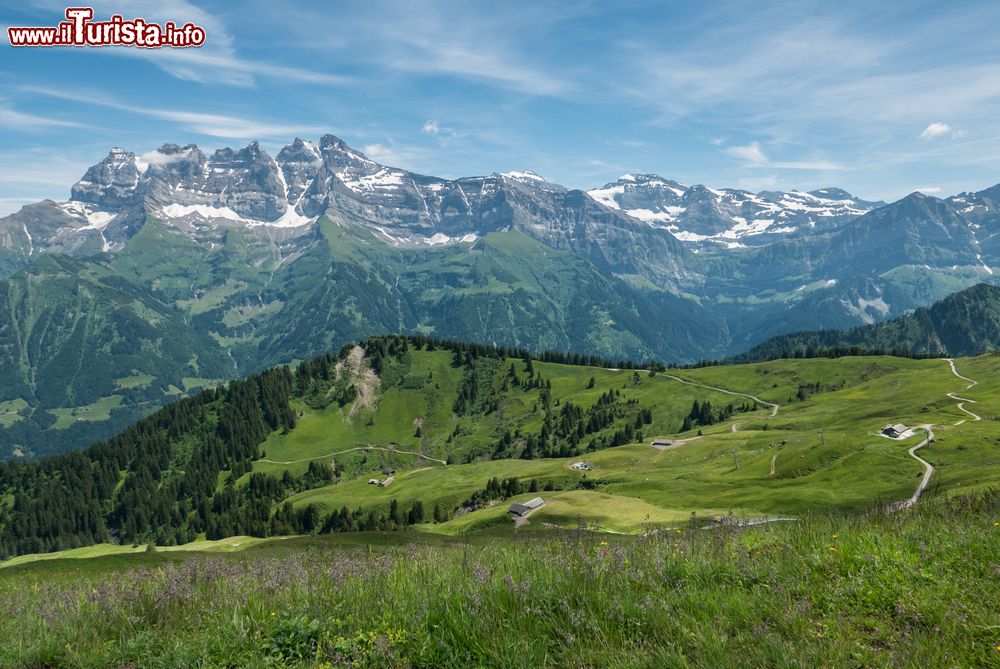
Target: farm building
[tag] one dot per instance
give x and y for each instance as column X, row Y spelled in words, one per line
column 388, row 471
column 894, row 431
column 385, row 483
column 525, row 508
column 580, row 466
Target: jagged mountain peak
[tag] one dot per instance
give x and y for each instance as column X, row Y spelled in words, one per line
column 300, row 151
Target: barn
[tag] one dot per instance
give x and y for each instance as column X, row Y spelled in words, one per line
column 525, row 508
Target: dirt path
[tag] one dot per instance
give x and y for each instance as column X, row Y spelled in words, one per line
column 348, row 450
column 928, row 471
column 774, row 458
column 954, row 371
column 774, row 407
column 961, row 407
column 962, row 401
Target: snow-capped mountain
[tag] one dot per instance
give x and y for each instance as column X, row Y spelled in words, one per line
column 637, row 215
column 728, row 217
column 282, row 197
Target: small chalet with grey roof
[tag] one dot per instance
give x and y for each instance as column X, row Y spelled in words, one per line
column 527, row 507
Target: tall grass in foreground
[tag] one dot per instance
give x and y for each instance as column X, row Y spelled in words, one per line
column 918, row 588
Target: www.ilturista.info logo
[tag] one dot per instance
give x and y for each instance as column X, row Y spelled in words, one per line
column 80, row 30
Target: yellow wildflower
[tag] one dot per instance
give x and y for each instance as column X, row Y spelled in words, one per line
column 833, row 549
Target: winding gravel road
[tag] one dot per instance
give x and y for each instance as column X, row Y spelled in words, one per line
column 928, row 471
column 774, row 407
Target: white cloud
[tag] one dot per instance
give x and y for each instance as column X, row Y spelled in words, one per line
column 156, row 158
column 938, row 129
column 430, row 128
column 753, row 156
column 378, row 152
column 751, row 153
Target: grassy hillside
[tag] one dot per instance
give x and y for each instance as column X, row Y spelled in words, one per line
column 824, row 448
column 914, row 589
column 466, row 430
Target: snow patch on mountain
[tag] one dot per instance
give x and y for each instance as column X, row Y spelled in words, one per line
column 527, row 175
column 204, row 211
column 384, row 178
column 438, row 239
column 699, row 215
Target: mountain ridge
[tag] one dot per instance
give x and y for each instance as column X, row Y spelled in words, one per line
column 966, row 323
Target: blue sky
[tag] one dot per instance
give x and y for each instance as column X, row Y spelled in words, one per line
column 880, row 98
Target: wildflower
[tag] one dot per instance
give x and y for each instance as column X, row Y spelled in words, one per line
column 604, row 543
column 273, row 613
column 833, row 549
column 678, row 531
column 834, row 535
column 996, row 523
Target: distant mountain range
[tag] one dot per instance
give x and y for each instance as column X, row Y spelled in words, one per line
column 172, row 270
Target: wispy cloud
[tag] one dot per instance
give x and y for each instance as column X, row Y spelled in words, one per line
column 30, row 175
column 11, row 118
column 459, row 40
column 214, row 125
column 751, row 153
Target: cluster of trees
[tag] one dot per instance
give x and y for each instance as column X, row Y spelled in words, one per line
column 503, row 489
column 479, row 391
column 807, row 390
column 533, row 381
column 564, row 430
column 395, row 518
column 702, row 413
